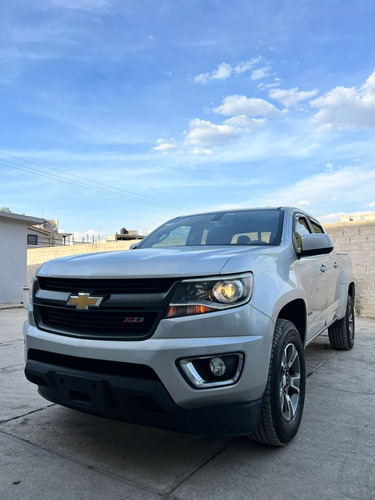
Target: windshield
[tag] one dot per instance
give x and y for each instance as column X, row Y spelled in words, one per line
column 245, row 227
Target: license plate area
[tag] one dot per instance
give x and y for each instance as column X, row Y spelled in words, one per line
column 81, row 392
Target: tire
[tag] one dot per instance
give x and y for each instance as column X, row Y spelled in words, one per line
column 341, row 334
column 284, row 396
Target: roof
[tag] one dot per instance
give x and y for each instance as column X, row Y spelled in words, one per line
column 38, row 229
column 22, row 218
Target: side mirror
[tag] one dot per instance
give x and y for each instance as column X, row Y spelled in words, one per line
column 133, row 246
column 315, row 244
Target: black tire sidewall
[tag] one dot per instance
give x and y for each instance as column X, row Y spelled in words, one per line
column 349, row 309
column 285, row 430
column 339, row 332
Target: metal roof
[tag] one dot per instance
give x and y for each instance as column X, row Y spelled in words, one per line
column 23, row 218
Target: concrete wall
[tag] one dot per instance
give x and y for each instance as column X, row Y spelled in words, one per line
column 13, row 265
column 357, row 238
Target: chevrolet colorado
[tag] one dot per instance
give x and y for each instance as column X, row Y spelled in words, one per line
column 200, row 328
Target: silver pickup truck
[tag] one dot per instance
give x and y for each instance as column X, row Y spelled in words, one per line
column 200, row 328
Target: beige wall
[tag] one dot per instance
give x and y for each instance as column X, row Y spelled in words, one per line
column 36, row 256
column 357, row 238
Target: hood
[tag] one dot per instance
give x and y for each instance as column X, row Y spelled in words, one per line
column 155, row 262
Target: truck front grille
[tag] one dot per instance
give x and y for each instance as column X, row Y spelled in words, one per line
column 109, row 324
column 128, row 310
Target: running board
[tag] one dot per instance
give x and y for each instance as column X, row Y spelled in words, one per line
column 321, row 331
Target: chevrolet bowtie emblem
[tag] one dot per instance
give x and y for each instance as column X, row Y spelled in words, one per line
column 84, row 300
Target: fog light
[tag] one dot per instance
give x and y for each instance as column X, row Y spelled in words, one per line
column 218, row 367
column 206, row 372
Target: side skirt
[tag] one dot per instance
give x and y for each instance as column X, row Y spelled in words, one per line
column 321, row 331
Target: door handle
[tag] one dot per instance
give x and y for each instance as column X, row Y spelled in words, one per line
column 335, row 265
column 323, row 268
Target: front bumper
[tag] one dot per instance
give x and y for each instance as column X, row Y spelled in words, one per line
column 162, row 398
column 139, row 401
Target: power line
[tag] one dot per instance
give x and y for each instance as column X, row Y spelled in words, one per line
column 84, row 183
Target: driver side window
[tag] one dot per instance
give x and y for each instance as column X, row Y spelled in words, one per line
column 301, row 228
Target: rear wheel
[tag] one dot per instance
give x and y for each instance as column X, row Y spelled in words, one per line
column 284, row 396
column 341, row 334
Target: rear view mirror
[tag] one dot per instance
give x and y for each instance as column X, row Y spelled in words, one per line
column 315, row 244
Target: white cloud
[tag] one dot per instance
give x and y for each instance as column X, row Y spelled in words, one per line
column 303, row 203
column 260, row 73
column 89, row 236
column 347, row 107
column 225, row 71
column 207, row 134
column 241, row 105
column 202, row 78
column 222, row 72
column 268, row 85
column 349, row 183
column 243, row 121
column 370, row 205
column 201, row 151
column 164, row 146
column 246, row 65
column 291, row 97
column 335, row 217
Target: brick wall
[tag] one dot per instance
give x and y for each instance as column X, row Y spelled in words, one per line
column 357, row 238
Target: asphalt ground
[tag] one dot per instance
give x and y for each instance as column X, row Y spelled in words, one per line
column 51, row 452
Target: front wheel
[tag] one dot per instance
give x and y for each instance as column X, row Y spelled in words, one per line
column 284, row 396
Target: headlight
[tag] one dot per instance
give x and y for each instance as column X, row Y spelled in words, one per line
column 229, row 291
column 199, row 296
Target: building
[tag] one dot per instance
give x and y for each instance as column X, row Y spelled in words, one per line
column 46, row 235
column 125, row 235
column 359, row 216
column 13, row 255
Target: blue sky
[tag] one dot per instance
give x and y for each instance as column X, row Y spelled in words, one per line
column 117, row 113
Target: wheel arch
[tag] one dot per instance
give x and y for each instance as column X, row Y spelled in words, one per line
column 351, row 291
column 347, row 290
column 295, row 311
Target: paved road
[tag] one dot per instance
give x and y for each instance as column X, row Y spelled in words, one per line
column 51, row 452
